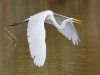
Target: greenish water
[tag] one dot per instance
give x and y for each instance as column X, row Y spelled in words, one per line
column 63, row 58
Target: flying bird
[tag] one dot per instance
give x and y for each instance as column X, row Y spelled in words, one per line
column 36, row 32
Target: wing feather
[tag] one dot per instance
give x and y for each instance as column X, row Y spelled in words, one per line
column 36, row 38
column 69, row 31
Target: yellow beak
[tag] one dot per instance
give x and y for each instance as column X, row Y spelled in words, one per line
column 77, row 21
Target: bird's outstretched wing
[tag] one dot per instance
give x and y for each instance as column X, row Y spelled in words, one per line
column 69, row 31
column 36, row 38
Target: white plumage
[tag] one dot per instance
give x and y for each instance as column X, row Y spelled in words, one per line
column 36, row 32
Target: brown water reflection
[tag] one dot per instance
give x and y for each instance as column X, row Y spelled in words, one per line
column 63, row 58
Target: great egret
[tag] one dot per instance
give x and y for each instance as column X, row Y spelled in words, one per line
column 36, row 32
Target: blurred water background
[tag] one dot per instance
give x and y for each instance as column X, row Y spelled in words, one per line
column 63, row 58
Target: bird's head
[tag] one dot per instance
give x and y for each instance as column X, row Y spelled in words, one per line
column 76, row 20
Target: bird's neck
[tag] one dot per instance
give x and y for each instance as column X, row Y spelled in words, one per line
column 56, row 24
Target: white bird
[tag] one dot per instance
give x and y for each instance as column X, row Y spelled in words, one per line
column 36, row 32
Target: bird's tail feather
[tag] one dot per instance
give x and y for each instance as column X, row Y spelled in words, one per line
column 17, row 23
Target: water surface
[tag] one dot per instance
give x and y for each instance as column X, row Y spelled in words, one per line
column 63, row 58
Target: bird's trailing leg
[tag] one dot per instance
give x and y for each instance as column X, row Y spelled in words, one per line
column 17, row 23
column 77, row 21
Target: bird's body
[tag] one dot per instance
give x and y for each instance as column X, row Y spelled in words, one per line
column 36, row 32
